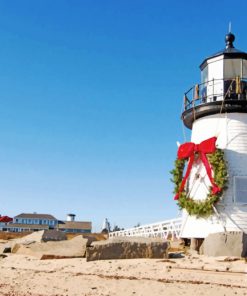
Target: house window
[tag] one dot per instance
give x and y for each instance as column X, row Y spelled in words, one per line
column 240, row 188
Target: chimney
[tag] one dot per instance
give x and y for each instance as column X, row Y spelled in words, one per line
column 71, row 217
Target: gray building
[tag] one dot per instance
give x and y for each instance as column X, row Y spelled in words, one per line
column 75, row 226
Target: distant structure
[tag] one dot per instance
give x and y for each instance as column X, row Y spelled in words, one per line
column 34, row 222
column 217, row 108
column 106, row 226
column 71, row 217
column 4, row 221
column 72, row 226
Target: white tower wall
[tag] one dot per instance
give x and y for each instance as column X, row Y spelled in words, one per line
column 231, row 132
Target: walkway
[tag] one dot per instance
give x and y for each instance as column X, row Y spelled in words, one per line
column 169, row 228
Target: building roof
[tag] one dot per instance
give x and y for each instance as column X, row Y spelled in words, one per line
column 28, row 226
column 75, row 225
column 229, row 52
column 5, row 219
column 35, row 216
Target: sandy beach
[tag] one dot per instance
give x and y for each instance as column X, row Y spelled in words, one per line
column 190, row 275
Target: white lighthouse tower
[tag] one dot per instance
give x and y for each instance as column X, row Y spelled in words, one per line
column 217, row 107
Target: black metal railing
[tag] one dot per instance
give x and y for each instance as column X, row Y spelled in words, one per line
column 216, row 90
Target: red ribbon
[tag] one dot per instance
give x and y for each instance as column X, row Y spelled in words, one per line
column 188, row 150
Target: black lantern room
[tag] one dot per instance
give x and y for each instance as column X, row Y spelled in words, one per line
column 223, row 86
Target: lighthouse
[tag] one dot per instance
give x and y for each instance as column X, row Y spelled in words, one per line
column 216, row 110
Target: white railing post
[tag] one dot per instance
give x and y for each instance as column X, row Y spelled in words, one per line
column 159, row 229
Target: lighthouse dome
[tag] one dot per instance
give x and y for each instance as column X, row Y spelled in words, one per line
column 223, row 86
column 229, row 52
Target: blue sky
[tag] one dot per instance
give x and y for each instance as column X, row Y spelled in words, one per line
column 90, row 102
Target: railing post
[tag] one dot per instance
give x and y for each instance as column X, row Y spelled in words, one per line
column 213, row 89
column 185, row 102
column 196, row 92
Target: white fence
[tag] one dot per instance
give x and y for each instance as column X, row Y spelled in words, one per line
column 162, row 229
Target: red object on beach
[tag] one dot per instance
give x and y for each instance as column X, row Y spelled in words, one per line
column 5, row 219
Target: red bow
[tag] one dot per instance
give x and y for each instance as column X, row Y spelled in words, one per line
column 188, row 150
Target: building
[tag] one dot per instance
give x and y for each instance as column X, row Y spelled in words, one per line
column 32, row 222
column 4, row 221
column 75, row 226
column 35, row 222
column 106, row 227
column 217, row 108
column 72, row 226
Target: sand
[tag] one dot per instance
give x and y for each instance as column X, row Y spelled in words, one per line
column 192, row 275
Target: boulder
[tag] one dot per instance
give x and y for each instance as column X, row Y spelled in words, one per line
column 26, row 240
column 5, row 248
column 34, row 237
column 176, row 245
column 37, row 237
column 75, row 247
column 53, row 235
column 128, row 248
column 225, row 244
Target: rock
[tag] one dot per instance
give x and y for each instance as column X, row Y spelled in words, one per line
column 6, row 248
column 90, row 240
column 232, row 243
column 15, row 248
column 176, row 245
column 75, row 247
column 37, row 237
column 228, row 259
column 50, row 257
column 128, row 248
column 53, row 235
column 26, row 240
column 29, row 239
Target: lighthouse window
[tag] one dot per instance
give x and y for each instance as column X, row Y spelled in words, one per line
column 204, row 74
column 244, row 69
column 232, row 68
column 240, row 184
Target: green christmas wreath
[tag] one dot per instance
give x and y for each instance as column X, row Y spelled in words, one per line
column 201, row 208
